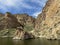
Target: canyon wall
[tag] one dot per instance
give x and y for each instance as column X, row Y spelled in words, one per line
column 48, row 22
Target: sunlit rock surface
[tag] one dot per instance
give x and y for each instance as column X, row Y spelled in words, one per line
column 21, row 34
column 47, row 24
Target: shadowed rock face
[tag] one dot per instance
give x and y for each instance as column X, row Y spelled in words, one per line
column 9, row 21
column 48, row 22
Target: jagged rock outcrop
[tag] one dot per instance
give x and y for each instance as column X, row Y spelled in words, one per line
column 26, row 20
column 9, row 21
column 48, row 22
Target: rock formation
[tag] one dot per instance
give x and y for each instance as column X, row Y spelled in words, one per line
column 48, row 22
column 9, row 21
column 26, row 20
column 21, row 34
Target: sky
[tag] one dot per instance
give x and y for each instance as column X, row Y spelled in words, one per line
column 31, row 7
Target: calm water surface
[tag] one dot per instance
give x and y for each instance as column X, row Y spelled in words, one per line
column 10, row 41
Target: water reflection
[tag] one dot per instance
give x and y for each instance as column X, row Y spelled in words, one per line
column 10, row 41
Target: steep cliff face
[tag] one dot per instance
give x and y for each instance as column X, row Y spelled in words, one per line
column 48, row 22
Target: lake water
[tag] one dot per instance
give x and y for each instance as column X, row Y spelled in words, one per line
column 10, row 41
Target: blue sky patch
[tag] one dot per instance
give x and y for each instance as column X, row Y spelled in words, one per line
column 31, row 7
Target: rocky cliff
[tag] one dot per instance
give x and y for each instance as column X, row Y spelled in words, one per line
column 48, row 22
column 9, row 22
column 26, row 20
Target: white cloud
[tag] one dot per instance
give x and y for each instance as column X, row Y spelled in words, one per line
column 15, row 3
column 36, row 14
column 6, row 2
column 20, row 3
